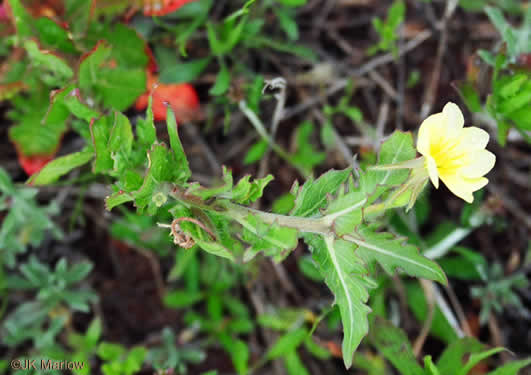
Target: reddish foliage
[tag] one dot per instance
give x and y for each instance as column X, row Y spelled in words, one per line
column 163, row 7
column 181, row 97
column 3, row 13
column 152, row 63
column 33, row 164
column 525, row 60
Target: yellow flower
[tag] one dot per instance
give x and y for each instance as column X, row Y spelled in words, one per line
column 453, row 153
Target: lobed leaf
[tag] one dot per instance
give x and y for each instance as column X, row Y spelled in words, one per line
column 345, row 275
column 392, row 253
column 61, row 166
column 313, row 194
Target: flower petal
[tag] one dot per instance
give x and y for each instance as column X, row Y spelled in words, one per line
column 432, row 171
column 473, row 138
column 464, row 187
column 454, row 119
column 430, row 129
column 481, row 162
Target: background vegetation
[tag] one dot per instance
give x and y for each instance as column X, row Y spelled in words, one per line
column 91, row 93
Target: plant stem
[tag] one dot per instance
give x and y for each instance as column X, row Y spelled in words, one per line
column 323, row 225
column 303, row 224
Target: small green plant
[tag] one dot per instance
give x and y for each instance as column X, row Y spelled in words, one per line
column 119, row 361
column 498, row 293
column 211, row 281
column 327, row 212
column 56, row 295
column 25, row 223
column 169, row 356
column 459, row 358
column 291, row 324
column 508, row 102
column 85, row 346
column 388, row 30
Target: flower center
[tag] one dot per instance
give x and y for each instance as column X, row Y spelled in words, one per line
column 448, row 157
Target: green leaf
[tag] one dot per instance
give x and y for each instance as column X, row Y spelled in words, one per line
column 109, row 351
column 100, row 132
column 93, row 333
column 467, row 265
column 517, row 101
column 134, row 360
column 293, row 3
column 512, row 85
column 431, row 369
column 470, row 96
column 287, row 22
column 306, row 156
column 496, row 17
column 475, row 358
column 261, row 42
column 308, row 268
column 6, row 185
column 117, row 87
column 128, row 48
column 328, row 136
column 393, row 253
column 254, row 94
column 313, row 194
column 61, row 166
column 287, row 343
column 283, row 204
column 117, row 198
column 451, row 361
column 77, row 15
column 215, row 44
column 181, row 169
column 345, row 275
column 294, row 365
column 145, row 128
column 184, row 72
column 239, row 352
column 255, row 152
column 272, row 239
column 206, row 193
column 522, row 118
column 53, row 35
column 215, row 248
column 316, row 350
column 222, row 82
column 344, row 212
column 182, row 298
column 21, row 17
column 77, row 108
column 121, row 142
column 159, row 171
column 90, row 64
column 281, row 320
column 398, row 147
column 511, row 368
column 247, row 192
column 394, row 345
column 39, row 123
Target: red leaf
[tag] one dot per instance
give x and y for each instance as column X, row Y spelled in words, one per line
column 163, row 7
column 181, row 97
column 3, row 13
column 152, row 63
column 33, row 164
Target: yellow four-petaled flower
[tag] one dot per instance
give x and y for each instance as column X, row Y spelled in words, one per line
column 453, row 153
